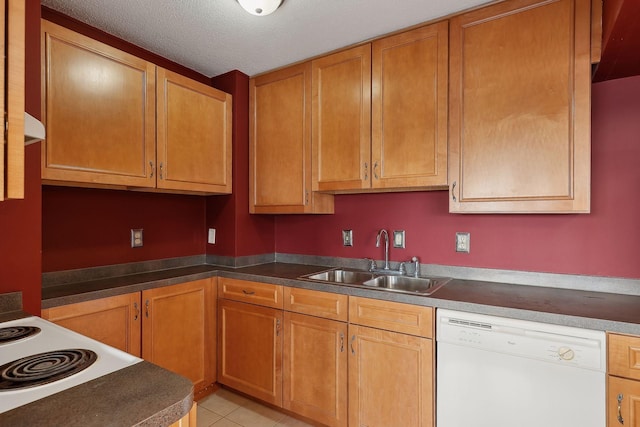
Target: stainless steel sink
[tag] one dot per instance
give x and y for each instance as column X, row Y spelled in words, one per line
column 412, row 285
column 395, row 283
column 341, row 276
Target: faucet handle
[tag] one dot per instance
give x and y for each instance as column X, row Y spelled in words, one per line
column 401, row 269
column 416, row 265
column 372, row 264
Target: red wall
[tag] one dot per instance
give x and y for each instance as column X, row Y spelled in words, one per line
column 603, row 243
column 86, row 227
column 20, row 219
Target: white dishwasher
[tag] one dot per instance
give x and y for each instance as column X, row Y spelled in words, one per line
column 499, row 372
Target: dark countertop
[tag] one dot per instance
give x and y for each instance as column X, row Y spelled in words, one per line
column 586, row 309
column 139, row 395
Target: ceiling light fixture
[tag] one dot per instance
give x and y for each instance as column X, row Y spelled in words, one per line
column 260, row 7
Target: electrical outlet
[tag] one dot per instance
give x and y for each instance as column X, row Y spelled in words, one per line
column 211, row 238
column 136, row 237
column 347, row 237
column 463, row 242
column 398, row 239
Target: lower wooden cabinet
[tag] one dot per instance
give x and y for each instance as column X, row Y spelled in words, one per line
column 250, row 349
column 623, row 406
column 391, row 380
column 623, row 382
column 172, row 326
column 315, row 368
column 114, row 321
column 178, row 330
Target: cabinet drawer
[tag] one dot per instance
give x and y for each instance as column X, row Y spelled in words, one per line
column 392, row 316
column 624, row 356
column 252, row 292
column 316, row 303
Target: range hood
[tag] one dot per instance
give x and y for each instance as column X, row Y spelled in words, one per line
column 33, row 129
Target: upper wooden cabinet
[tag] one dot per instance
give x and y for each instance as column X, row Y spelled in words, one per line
column 12, row 100
column 341, row 125
column 99, row 109
column 409, row 109
column 380, row 114
column 280, row 144
column 99, row 112
column 194, row 135
column 520, row 108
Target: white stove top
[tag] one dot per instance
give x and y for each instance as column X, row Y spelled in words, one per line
column 54, row 337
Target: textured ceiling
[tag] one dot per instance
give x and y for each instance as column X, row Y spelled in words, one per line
column 216, row 36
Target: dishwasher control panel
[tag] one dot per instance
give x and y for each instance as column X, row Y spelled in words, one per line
column 569, row 346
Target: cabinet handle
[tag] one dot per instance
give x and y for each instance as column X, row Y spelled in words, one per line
column 161, row 166
column 353, row 350
column 246, row 292
column 151, row 165
column 137, row 309
column 306, row 198
column 375, row 170
column 620, row 419
column 146, row 309
column 341, row 342
column 366, row 171
column 277, row 327
column 453, row 187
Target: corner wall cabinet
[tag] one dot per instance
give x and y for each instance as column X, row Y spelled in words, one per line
column 623, row 381
column 172, row 326
column 12, row 83
column 280, row 144
column 99, row 109
column 519, row 116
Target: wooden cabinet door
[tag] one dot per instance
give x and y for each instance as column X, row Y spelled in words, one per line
column 390, row 379
column 315, row 368
column 114, row 320
column 99, row 112
column 250, row 349
column 194, row 135
column 409, row 109
column 341, row 124
column 623, row 402
column 12, row 81
column 519, row 116
column 280, row 144
column 178, row 330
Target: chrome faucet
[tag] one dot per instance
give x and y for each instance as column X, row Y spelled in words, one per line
column 386, row 246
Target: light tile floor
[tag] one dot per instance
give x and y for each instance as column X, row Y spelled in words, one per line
column 227, row 409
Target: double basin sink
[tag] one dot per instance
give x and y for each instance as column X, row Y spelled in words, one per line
column 381, row 281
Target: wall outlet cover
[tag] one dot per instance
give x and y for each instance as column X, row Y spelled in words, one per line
column 398, row 239
column 463, row 242
column 136, row 237
column 211, row 238
column 347, row 237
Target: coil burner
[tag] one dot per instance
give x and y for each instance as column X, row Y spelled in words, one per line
column 15, row 333
column 44, row 368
